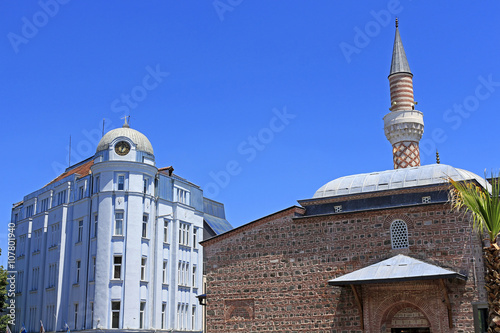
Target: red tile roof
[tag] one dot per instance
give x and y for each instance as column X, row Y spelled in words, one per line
column 80, row 170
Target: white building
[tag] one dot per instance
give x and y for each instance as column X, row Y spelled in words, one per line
column 112, row 243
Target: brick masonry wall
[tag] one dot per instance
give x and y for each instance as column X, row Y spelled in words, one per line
column 272, row 275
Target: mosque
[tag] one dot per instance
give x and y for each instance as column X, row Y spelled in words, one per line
column 375, row 252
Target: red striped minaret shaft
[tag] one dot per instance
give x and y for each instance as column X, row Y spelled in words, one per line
column 404, row 125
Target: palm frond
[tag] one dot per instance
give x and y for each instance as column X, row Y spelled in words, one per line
column 483, row 205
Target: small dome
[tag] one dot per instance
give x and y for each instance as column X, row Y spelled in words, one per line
column 395, row 179
column 139, row 139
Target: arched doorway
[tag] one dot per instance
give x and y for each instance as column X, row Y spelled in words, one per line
column 405, row 318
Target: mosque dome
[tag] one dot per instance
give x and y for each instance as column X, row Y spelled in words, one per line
column 396, row 179
column 140, row 140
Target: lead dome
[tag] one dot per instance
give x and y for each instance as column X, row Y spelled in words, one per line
column 140, row 140
column 396, row 179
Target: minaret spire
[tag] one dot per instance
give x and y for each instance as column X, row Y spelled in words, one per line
column 404, row 125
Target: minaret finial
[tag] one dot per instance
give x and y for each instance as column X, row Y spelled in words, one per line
column 438, row 161
column 397, row 22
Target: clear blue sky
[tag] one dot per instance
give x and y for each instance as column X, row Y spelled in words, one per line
column 220, row 68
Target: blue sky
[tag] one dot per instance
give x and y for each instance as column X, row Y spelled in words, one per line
column 259, row 102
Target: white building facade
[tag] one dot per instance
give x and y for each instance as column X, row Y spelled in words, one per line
column 112, row 243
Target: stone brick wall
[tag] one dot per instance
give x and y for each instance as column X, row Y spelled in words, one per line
column 272, row 275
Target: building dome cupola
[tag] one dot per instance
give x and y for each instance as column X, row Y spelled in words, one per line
column 123, row 136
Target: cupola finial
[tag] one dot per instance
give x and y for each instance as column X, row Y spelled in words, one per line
column 397, row 22
column 125, row 123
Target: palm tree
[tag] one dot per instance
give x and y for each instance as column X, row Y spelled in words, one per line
column 485, row 209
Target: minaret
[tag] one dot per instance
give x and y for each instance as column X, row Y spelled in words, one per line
column 404, row 125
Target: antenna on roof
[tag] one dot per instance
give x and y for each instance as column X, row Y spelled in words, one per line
column 69, row 157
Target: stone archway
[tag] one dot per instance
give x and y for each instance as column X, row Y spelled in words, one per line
column 405, row 317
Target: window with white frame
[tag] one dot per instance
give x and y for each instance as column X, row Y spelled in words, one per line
column 29, row 211
column 95, row 224
column 181, row 195
column 93, row 268
column 117, row 267
column 76, row 316
column 20, row 281
column 165, row 271
column 193, row 317
column 145, row 185
column 164, row 315
column 119, row 224
column 399, row 235
column 97, row 184
column 53, row 273
column 44, row 205
column 81, row 192
column 21, row 245
column 193, row 277
column 142, row 314
column 37, row 241
column 120, row 186
column 143, row 268
column 91, row 314
column 183, row 234
column 77, row 273
column 115, row 314
column 195, row 241
column 145, row 226
column 34, row 278
column 165, row 231
column 61, row 197
column 80, row 231
column 54, row 234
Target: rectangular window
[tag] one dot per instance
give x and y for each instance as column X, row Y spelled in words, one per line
column 38, row 240
column 194, row 237
column 143, row 268
column 193, row 318
column 145, row 185
column 121, row 182
column 96, row 184
column 29, row 211
column 93, row 268
column 165, row 270
column 184, row 234
column 81, row 192
column 181, row 195
column 142, row 314
column 164, row 315
column 144, row 226
column 54, row 234
column 61, row 197
column 193, row 278
column 20, row 281
column 76, row 316
column 165, row 231
column 44, row 205
column 91, row 314
column 117, row 267
column 115, row 314
column 179, row 269
column 95, row 225
column 21, row 245
column 80, row 231
column 119, row 224
column 78, row 266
